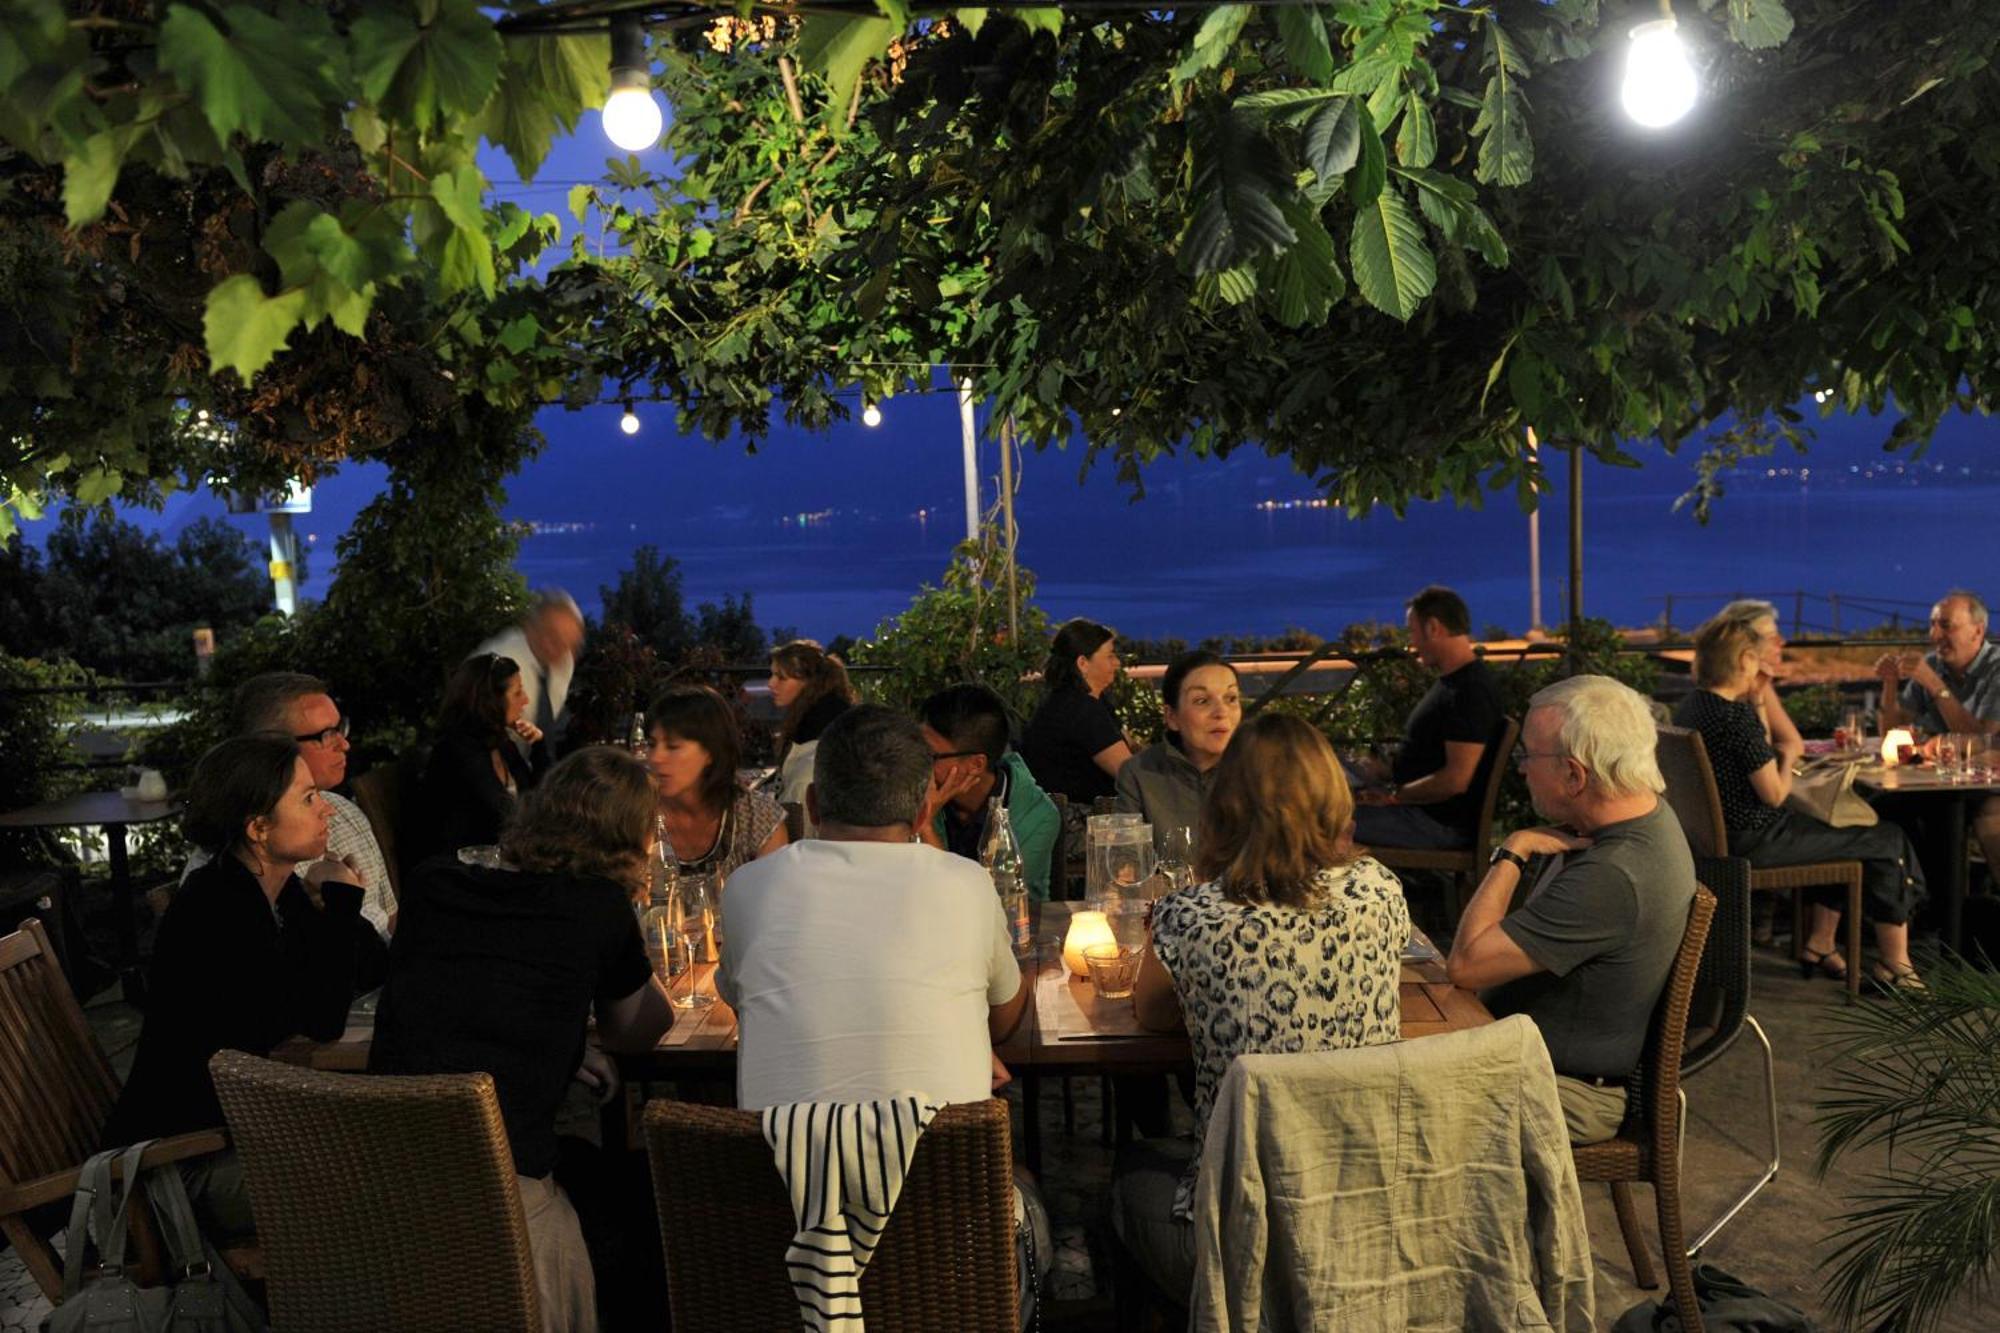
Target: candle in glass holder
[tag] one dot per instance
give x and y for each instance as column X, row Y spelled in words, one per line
column 1893, row 743
column 1085, row 929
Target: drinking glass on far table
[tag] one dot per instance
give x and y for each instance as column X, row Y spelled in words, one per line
column 1114, row 969
column 1978, row 758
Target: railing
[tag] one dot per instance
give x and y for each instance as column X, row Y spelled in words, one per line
column 1840, row 610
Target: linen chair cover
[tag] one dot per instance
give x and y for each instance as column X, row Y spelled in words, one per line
column 1418, row 1184
column 1696, row 802
column 946, row 1259
column 1648, row 1147
column 383, row 1203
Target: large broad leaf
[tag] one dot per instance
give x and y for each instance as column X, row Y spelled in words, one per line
column 838, row 49
column 1332, row 139
column 1213, row 40
column 1416, row 143
column 89, row 173
column 1288, row 105
column 1039, row 18
column 244, row 328
column 1239, row 185
column 432, row 73
column 263, row 79
column 1307, row 49
column 1451, row 206
column 1308, row 279
column 1759, row 24
column 1506, row 153
column 545, row 85
column 1371, row 168
column 1392, row 266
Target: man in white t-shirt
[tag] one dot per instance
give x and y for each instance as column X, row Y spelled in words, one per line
column 863, row 963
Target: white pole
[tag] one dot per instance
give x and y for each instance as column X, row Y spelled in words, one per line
column 969, row 442
column 284, row 564
column 1534, row 547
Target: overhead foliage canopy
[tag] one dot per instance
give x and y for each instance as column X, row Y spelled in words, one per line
column 1378, row 236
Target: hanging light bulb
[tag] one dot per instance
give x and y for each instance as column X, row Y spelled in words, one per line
column 1660, row 85
column 629, row 423
column 632, row 118
column 871, row 415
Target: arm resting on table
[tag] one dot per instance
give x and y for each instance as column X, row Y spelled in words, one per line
column 637, row 1022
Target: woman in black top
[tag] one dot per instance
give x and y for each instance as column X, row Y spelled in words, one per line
column 1074, row 744
column 477, row 773
column 245, row 957
column 1753, row 778
column 497, row 970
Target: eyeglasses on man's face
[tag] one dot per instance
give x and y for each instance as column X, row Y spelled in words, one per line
column 1522, row 754
column 326, row 735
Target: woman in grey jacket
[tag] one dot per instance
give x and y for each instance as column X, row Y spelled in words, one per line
column 1202, row 702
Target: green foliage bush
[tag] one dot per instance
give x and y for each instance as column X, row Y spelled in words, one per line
column 35, row 732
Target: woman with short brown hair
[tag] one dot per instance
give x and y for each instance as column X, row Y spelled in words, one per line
column 1277, row 861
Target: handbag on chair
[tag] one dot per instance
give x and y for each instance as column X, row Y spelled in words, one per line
column 1824, row 789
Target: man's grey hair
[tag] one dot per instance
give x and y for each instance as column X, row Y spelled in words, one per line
column 1974, row 607
column 872, row 768
column 1608, row 727
column 554, row 599
column 264, row 703
column 1748, row 611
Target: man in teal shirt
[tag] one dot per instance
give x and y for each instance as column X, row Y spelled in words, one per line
column 966, row 727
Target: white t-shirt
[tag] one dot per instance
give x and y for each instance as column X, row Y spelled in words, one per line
column 859, row 970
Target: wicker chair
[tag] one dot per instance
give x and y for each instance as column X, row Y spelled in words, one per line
column 1692, row 793
column 1648, row 1146
column 1466, row 866
column 56, row 1090
column 946, row 1259
column 382, row 1203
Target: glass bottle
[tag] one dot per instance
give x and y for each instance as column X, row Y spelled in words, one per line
column 1002, row 858
column 636, row 738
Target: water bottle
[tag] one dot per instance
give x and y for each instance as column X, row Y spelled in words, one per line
column 1002, row 858
column 664, row 868
column 636, row 738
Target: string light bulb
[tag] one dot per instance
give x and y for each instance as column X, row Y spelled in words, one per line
column 871, row 415
column 629, row 423
column 1660, row 85
column 632, row 117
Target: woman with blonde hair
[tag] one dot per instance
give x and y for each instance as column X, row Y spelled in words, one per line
column 1275, row 858
column 497, row 970
column 811, row 686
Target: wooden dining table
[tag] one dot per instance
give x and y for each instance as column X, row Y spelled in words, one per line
column 1953, row 795
column 1066, row 1031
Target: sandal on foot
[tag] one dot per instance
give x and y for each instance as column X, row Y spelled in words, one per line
column 1888, row 978
column 1829, row 964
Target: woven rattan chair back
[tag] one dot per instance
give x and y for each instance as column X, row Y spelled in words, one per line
column 1691, row 791
column 383, row 1203
column 56, row 1088
column 946, row 1260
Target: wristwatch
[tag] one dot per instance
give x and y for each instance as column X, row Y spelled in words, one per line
column 1943, row 692
column 1505, row 853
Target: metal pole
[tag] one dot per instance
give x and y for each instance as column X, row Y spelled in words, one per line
column 1007, row 533
column 1534, row 544
column 969, row 444
column 1575, row 546
column 284, row 564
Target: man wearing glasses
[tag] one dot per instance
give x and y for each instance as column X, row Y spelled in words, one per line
column 966, row 728
column 298, row 706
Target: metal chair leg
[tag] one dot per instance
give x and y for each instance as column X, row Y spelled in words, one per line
column 1770, row 1167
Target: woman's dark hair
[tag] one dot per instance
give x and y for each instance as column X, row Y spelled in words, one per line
column 1184, row 666
column 697, row 713
column 1077, row 638
column 823, row 675
column 237, row 781
column 475, row 698
column 589, row 815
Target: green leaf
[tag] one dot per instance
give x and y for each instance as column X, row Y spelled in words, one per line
column 1524, row 386
column 1039, row 18
column 1507, row 152
column 365, row 124
column 1308, row 279
column 1239, row 181
column 467, row 262
column 1365, row 75
column 1759, row 24
column 457, row 193
column 89, row 173
column 1416, row 143
column 1307, row 49
column 1293, row 102
column 96, row 485
column 545, row 85
column 520, row 334
column 428, row 74
column 579, row 200
column 972, row 20
column 1392, row 266
column 263, row 78
column 838, row 49
column 1371, row 170
column 244, row 328
column 1213, row 41
column 1332, row 139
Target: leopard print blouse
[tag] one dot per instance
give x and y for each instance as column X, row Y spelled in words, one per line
column 1255, row 977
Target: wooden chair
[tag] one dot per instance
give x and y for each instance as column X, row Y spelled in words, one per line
column 382, row 1203
column 56, row 1090
column 1648, row 1146
column 381, row 793
column 1468, row 866
column 1692, row 793
column 946, row 1259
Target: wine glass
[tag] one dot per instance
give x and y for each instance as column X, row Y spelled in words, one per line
column 1177, row 857
column 693, row 937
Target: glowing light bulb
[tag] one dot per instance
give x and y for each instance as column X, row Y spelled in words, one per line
column 632, row 119
column 871, row 415
column 1660, row 85
column 629, row 423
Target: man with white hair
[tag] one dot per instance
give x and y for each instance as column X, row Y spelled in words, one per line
column 1588, row 952
column 545, row 646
